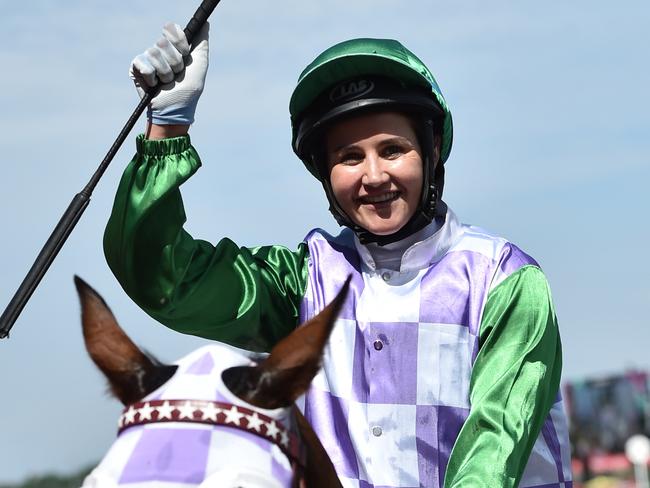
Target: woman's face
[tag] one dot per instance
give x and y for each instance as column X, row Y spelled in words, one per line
column 375, row 165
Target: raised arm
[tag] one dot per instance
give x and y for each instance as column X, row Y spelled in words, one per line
column 247, row 297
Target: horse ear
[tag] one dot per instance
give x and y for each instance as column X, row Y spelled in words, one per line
column 294, row 361
column 131, row 374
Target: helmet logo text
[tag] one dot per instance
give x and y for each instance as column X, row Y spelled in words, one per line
column 350, row 90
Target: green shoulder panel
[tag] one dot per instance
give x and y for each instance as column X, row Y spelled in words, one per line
column 515, row 381
column 249, row 298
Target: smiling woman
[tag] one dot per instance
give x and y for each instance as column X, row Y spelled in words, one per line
column 444, row 366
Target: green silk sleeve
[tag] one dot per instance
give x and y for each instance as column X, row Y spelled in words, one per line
column 514, row 383
column 247, row 297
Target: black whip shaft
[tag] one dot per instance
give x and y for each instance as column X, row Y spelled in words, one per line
column 80, row 201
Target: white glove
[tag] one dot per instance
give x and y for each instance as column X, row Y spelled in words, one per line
column 181, row 74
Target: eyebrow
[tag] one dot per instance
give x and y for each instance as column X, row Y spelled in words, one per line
column 397, row 140
column 386, row 142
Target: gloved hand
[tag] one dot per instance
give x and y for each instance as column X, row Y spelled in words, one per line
column 181, row 74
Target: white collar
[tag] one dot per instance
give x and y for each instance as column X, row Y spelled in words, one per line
column 418, row 250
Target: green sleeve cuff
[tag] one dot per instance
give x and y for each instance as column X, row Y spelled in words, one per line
column 162, row 147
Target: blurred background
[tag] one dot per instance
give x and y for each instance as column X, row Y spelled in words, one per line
column 551, row 150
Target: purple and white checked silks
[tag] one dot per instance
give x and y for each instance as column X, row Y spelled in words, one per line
column 394, row 389
column 183, row 455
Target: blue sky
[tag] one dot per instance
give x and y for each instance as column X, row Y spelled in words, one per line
column 551, row 114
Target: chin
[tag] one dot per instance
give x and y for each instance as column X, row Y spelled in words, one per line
column 383, row 232
column 384, row 229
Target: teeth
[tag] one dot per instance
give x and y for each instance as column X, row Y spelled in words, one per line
column 381, row 198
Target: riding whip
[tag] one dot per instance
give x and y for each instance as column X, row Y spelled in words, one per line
column 80, row 201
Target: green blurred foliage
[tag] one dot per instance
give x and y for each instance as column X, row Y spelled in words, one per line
column 53, row 481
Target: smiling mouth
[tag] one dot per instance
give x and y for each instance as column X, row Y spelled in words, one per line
column 383, row 198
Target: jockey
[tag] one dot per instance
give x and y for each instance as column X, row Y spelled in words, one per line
column 444, row 366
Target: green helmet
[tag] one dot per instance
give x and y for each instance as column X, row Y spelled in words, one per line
column 371, row 75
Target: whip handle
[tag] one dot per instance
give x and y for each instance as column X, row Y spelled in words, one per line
column 198, row 19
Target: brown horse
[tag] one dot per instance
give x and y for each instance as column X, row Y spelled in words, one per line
column 215, row 418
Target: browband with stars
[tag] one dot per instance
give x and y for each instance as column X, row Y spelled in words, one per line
column 213, row 413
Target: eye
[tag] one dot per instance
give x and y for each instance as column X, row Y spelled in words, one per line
column 350, row 158
column 393, row 151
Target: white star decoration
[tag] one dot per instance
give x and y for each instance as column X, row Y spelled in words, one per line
column 210, row 412
column 254, row 422
column 145, row 411
column 129, row 415
column 272, row 429
column 284, row 438
column 233, row 416
column 186, row 411
column 165, row 411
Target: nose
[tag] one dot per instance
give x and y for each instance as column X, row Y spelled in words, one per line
column 374, row 174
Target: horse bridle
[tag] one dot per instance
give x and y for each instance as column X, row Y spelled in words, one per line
column 219, row 413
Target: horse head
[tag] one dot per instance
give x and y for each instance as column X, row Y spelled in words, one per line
column 218, row 417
